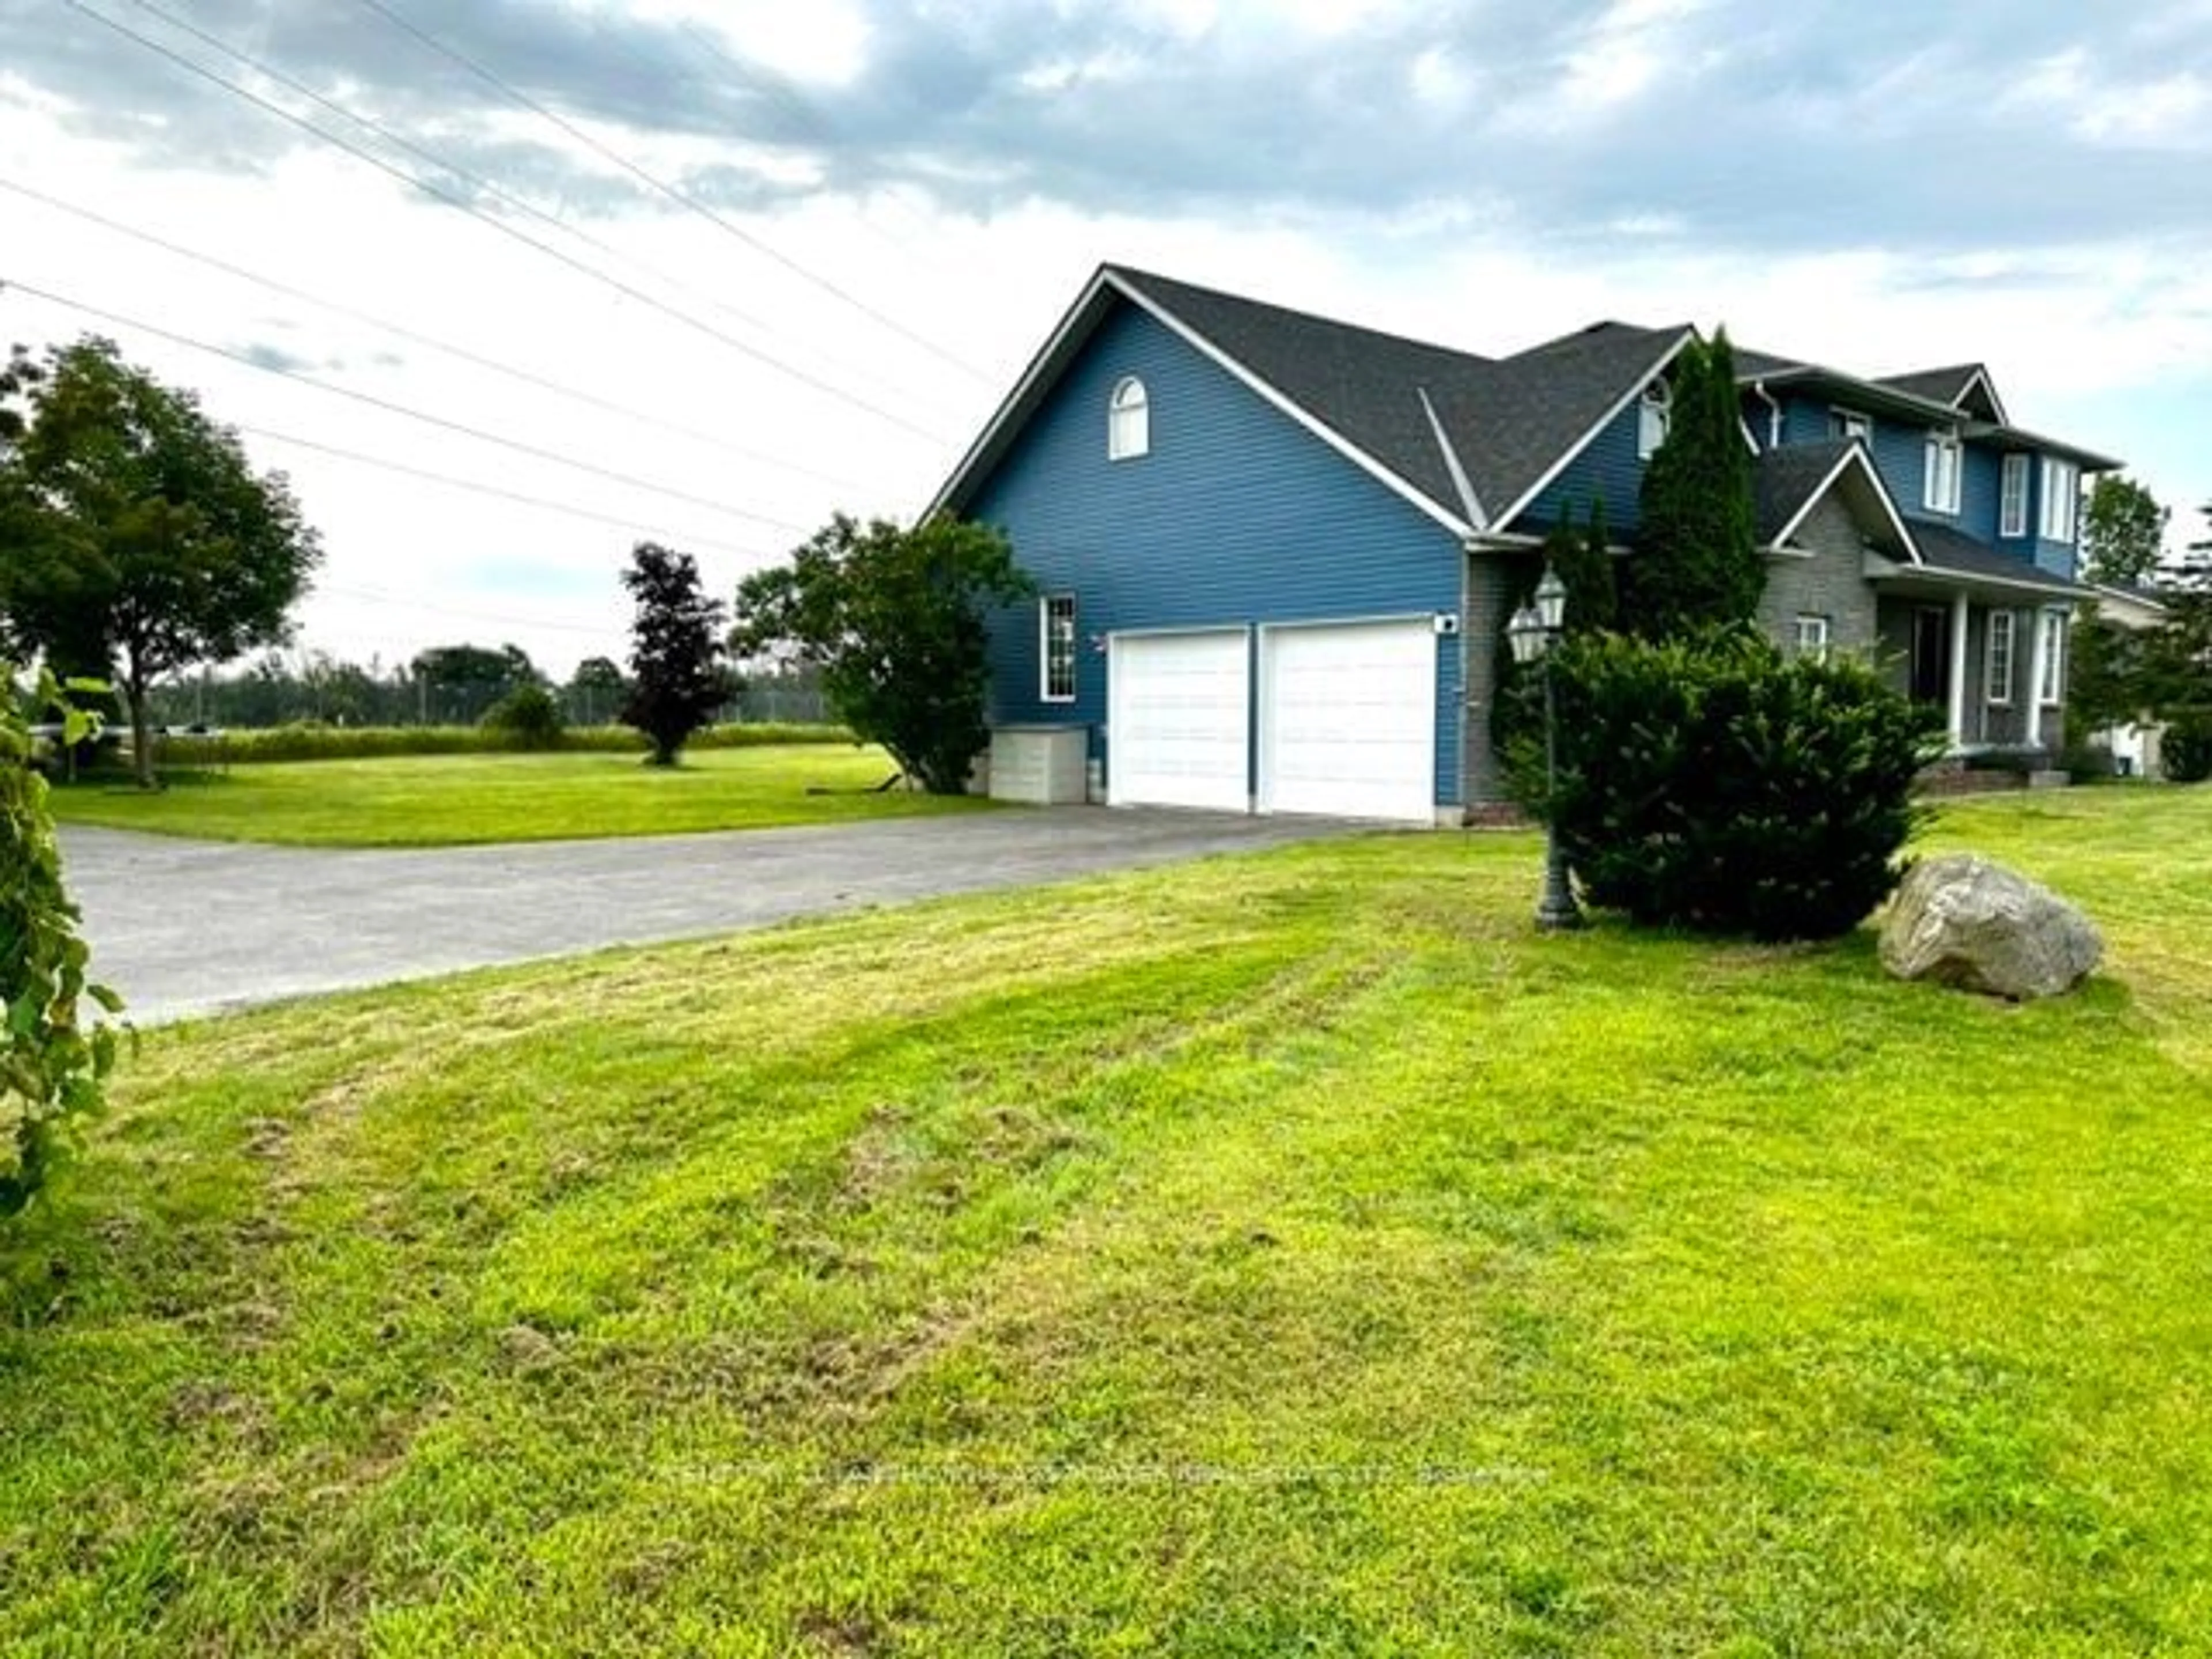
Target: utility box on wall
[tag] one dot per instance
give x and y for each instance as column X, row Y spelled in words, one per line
column 1040, row 765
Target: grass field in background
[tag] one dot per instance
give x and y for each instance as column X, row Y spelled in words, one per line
column 1291, row 1253
column 446, row 800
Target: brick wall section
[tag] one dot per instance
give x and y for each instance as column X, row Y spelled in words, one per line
column 1830, row 582
column 1482, row 626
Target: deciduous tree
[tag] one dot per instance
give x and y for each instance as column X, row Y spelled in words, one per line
column 2123, row 533
column 139, row 534
column 895, row 619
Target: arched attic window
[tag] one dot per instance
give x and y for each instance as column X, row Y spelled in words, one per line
column 1655, row 411
column 1128, row 421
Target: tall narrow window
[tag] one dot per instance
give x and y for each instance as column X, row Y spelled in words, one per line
column 2062, row 482
column 2012, row 509
column 2054, row 658
column 1128, row 421
column 1940, row 489
column 1997, row 660
column 1655, row 413
column 1056, row 646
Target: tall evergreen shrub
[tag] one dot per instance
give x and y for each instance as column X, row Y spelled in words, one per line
column 1697, row 564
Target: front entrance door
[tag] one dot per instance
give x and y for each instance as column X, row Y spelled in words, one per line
column 1931, row 654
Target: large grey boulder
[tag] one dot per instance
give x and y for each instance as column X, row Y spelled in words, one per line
column 1962, row 921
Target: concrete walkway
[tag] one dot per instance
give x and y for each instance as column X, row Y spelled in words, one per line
column 185, row 927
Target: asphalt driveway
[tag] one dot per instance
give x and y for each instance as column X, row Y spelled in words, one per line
column 185, row 927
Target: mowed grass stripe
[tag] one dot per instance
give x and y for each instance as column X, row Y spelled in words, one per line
column 1292, row 1253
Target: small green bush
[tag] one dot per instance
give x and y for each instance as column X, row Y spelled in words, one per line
column 526, row 718
column 2185, row 750
column 1709, row 783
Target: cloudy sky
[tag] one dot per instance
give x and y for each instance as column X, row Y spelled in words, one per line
column 708, row 272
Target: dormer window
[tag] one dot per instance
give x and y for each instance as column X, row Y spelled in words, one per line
column 1128, row 421
column 1655, row 413
column 1941, row 475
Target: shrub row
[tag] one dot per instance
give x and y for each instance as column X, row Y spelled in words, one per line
column 308, row 741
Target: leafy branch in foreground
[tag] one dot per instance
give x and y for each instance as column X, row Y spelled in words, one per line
column 52, row 1060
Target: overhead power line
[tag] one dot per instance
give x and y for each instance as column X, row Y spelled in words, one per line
column 445, row 164
column 399, row 331
column 371, row 400
column 431, row 188
column 497, row 491
column 375, row 596
column 675, row 193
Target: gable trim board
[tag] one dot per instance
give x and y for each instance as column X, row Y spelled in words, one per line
column 1085, row 315
column 1855, row 455
column 1620, row 406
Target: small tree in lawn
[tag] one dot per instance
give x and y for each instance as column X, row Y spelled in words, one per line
column 894, row 619
column 678, row 681
column 1697, row 564
column 139, row 533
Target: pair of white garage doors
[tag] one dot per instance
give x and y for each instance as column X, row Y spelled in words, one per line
column 1343, row 726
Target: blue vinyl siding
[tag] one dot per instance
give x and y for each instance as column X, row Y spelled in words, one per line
column 1238, row 515
column 1608, row 470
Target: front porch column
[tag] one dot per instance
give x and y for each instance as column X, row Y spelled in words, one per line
column 1958, row 700
column 2037, row 665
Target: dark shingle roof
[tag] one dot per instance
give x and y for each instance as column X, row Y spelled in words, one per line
column 1510, row 420
column 1752, row 365
column 1783, row 482
column 1946, row 548
column 1941, row 385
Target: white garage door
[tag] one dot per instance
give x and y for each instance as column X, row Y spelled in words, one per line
column 1178, row 719
column 1348, row 720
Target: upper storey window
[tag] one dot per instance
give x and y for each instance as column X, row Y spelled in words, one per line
column 2012, row 497
column 1849, row 424
column 1655, row 413
column 2062, row 489
column 1128, row 421
column 1942, row 473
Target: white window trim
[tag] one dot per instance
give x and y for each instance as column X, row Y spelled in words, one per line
column 2012, row 495
column 1845, row 419
column 1941, row 486
column 1654, row 418
column 1996, row 691
column 2061, row 495
column 1816, row 634
column 1128, row 420
column 1045, row 693
column 2052, row 691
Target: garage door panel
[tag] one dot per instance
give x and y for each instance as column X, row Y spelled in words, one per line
column 1180, row 719
column 1348, row 721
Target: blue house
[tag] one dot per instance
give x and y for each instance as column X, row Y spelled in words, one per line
column 1273, row 549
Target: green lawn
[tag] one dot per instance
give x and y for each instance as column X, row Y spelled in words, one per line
column 444, row 800
column 1284, row 1254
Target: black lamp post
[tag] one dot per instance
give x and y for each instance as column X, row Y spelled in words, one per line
column 1534, row 632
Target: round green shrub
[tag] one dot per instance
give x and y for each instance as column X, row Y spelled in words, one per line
column 528, row 717
column 2185, row 750
column 1709, row 783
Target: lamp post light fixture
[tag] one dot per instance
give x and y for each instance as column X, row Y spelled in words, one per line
column 1534, row 633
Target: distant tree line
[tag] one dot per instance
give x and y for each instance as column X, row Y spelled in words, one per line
column 445, row 686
